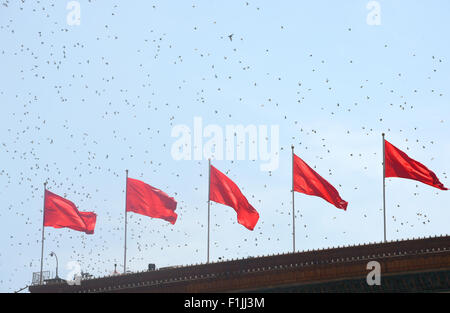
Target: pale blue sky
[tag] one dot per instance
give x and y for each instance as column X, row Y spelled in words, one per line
column 80, row 104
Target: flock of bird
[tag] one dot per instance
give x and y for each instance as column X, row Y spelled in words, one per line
column 80, row 104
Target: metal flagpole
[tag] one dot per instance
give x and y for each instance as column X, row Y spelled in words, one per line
column 43, row 223
column 293, row 206
column 209, row 203
column 384, row 186
column 125, row 244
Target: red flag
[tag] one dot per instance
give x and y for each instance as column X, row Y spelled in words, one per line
column 223, row 190
column 399, row 164
column 60, row 212
column 307, row 181
column 149, row 201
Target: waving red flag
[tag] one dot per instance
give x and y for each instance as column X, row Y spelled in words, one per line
column 307, row 181
column 399, row 164
column 223, row 190
column 60, row 212
column 150, row 201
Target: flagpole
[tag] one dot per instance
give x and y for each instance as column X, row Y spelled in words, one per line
column 293, row 206
column 209, row 203
column 125, row 244
column 43, row 223
column 384, row 186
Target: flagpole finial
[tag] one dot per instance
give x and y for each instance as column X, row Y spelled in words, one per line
column 45, row 184
column 382, row 134
column 292, row 147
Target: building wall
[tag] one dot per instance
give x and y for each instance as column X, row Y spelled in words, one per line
column 420, row 260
